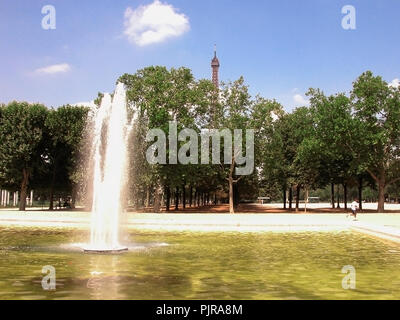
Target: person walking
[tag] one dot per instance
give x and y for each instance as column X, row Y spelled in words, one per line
column 354, row 207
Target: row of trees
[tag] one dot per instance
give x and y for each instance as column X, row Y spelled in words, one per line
column 348, row 139
column 162, row 96
column 352, row 140
column 39, row 149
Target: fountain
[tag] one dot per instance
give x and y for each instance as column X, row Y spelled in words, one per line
column 111, row 132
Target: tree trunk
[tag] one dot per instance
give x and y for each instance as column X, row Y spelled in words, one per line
column 191, row 196
column 168, row 198
column 290, row 197
column 143, row 200
column 345, row 195
column 333, row 195
column 183, row 196
column 381, row 195
column 338, row 196
column 147, row 204
column 24, row 189
column 284, row 197
column 360, row 189
column 305, row 200
column 297, row 197
column 231, row 206
column 53, row 181
column 157, row 199
column 176, row 198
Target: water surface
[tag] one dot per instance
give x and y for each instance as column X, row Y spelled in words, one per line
column 305, row 265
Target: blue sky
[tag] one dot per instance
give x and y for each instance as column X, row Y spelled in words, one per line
column 281, row 47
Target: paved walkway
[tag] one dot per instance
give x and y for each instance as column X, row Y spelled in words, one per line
column 386, row 226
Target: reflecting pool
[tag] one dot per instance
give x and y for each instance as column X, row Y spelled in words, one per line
column 190, row 265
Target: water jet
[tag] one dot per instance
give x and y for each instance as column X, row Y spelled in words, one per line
column 110, row 138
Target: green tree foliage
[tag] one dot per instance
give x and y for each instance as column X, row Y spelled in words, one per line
column 284, row 164
column 64, row 127
column 328, row 148
column 39, row 147
column 161, row 96
column 237, row 110
column 377, row 135
column 21, row 148
column 350, row 140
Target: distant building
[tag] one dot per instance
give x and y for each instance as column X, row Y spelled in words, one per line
column 215, row 68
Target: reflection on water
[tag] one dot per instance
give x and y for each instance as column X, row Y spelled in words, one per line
column 99, row 279
column 199, row 266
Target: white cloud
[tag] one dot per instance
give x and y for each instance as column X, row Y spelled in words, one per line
column 395, row 83
column 55, row 68
column 299, row 100
column 154, row 23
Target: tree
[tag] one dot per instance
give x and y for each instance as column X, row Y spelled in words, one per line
column 282, row 163
column 159, row 96
column 64, row 130
column 330, row 145
column 377, row 111
column 238, row 111
column 21, row 147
